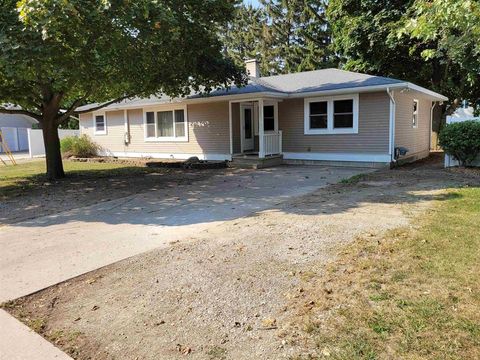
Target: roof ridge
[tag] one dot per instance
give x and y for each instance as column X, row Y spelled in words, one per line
column 295, row 73
column 378, row 76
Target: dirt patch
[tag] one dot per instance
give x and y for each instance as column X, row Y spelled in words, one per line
column 192, row 163
column 230, row 292
column 112, row 160
column 469, row 172
column 47, row 198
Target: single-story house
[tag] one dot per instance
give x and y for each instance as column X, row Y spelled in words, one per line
column 14, row 129
column 328, row 115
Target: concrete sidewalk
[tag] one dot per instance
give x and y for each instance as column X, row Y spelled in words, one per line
column 42, row 252
column 18, row 342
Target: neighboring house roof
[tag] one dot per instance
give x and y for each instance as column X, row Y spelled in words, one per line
column 463, row 113
column 16, row 120
column 308, row 83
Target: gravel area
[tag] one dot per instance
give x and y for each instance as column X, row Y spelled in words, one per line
column 227, row 292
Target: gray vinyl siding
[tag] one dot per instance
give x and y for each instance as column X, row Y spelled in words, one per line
column 208, row 132
column 416, row 140
column 373, row 128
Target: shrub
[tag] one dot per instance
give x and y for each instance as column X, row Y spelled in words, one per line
column 81, row 146
column 461, row 141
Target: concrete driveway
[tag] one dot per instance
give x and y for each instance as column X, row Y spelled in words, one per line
column 47, row 250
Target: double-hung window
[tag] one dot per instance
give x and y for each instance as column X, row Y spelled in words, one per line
column 99, row 124
column 166, row 125
column 415, row 114
column 331, row 115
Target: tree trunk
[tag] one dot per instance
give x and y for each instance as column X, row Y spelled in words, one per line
column 52, row 149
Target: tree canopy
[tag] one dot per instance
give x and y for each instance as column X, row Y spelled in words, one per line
column 450, row 32
column 433, row 43
column 58, row 54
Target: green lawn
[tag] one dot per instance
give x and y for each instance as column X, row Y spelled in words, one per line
column 413, row 294
column 28, row 175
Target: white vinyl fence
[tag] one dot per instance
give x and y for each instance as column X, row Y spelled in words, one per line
column 35, row 140
column 15, row 138
column 449, row 161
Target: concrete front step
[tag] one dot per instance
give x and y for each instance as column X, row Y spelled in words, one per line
column 253, row 162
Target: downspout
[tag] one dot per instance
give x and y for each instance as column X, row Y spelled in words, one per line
column 127, row 129
column 431, row 125
column 392, row 126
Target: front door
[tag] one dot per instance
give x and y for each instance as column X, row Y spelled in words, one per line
column 246, row 124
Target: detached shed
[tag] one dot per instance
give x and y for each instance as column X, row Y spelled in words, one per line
column 14, row 130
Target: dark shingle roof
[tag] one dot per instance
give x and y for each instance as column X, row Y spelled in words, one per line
column 309, row 81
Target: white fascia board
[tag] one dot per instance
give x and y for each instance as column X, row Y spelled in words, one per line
column 351, row 90
column 430, row 93
column 363, row 89
column 199, row 100
column 237, row 97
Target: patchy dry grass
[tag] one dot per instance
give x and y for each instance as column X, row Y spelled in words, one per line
column 353, row 179
column 412, row 294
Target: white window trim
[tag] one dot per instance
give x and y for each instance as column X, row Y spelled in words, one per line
column 415, row 125
column 168, row 107
column 94, row 115
column 330, row 129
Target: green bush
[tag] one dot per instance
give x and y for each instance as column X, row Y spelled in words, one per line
column 461, row 140
column 81, row 146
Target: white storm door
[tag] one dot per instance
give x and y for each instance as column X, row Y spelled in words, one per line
column 246, row 123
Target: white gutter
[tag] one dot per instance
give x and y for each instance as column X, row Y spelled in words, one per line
column 393, row 105
column 402, row 85
column 360, row 89
column 433, row 94
column 197, row 100
column 243, row 97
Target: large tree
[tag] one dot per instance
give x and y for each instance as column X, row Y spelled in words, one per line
column 299, row 35
column 56, row 55
column 246, row 36
column 284, row 35
column 429, row 42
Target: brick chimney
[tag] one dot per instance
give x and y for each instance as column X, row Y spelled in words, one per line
column 253, row 68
